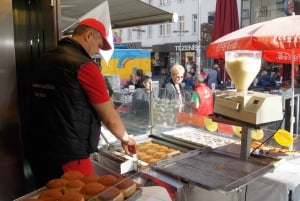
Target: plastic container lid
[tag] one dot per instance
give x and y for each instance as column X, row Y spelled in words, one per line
column 283, row 137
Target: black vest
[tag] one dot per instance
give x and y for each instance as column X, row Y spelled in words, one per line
column 63, row 125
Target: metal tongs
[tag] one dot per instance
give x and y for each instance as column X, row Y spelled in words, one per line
column 110, row 147
column 136, row 162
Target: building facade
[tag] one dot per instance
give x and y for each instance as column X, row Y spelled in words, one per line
column 186, row 39
column 171, row 41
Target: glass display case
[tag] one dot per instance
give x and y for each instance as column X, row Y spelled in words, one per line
column 146, row 112
column 151, row 113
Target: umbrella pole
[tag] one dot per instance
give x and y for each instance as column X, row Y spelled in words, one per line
column 293, row 93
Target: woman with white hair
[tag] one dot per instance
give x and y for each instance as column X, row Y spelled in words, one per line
column 173, row 87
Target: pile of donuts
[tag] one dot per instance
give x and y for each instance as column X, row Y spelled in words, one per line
column 151, row 152
column 74, row 186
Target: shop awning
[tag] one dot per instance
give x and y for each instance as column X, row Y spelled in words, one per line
column 123, row 13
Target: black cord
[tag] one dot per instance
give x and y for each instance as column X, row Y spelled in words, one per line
column 268, row 137
column 246, row 190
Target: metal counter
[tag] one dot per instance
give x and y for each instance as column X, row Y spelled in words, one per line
column 199, row 166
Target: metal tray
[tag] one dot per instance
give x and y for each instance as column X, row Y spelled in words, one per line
column 213, row 171
column 199, row 137
column 35, row 194
column 100, row 170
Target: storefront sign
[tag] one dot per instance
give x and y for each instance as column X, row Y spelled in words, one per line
column 188, row 48
column 175, row 47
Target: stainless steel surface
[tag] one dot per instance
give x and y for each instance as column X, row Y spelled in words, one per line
column 198, row 137
column 213, row 171
column 154, row 177
column 11, row 166
column 119, row 162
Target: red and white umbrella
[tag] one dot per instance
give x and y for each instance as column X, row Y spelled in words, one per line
column 279, row 40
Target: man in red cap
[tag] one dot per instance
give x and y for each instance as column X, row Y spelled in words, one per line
column 68, row 101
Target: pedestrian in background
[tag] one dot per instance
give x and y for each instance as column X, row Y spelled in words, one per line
column 213, row 77
column 140, row 99
column 173, row 89
column 202, row 100
column 188, row 81
column 139, row 75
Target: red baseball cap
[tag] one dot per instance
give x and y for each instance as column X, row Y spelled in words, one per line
column 98, row 26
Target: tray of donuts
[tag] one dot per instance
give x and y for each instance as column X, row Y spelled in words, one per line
column 151, row 152
column 74, row 186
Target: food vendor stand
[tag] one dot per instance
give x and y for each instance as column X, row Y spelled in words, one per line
column 210, row 160
column 206, row 168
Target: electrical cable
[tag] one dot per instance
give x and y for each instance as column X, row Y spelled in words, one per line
column 268, row 137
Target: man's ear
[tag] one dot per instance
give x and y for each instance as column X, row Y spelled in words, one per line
column 88, row 35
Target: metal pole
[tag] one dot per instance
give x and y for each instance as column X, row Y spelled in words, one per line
column 151, row 108
column 180, row 31
column 198, row 56
column 180, row 47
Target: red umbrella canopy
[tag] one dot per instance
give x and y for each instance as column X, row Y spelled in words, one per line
column 279, row 39
column 226, row 18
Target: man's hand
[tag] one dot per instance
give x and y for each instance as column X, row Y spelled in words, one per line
column 129, row 145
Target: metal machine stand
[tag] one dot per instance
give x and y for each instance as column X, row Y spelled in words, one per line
column 245, row 143
column 245, row 135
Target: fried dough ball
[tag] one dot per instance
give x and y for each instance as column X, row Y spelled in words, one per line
column 50, row 193
column 72, row 175
column 160, row 155
column 140, row 154
column 146, row 158
column 162, row 148
column 73, row 186
column 126, row 186
column 154, row 146
column 91, row 189
column 90, row 178
column 142, row 148
column 151, row 151
column 153, row 160
column 108, row 180
column 57, row 183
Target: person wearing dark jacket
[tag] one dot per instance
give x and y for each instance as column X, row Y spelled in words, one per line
column 139, row 75
column 140, row 99
column 173, row 88
column 213, row 78
column 68, row 101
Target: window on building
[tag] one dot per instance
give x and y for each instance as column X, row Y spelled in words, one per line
column 164, row 2
column 165, row 29
column 150, row 31
column 118, row 37
column 139, row 34
column 181, row 23
column 129, row 34
column 195, row 23
column 180, row 1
